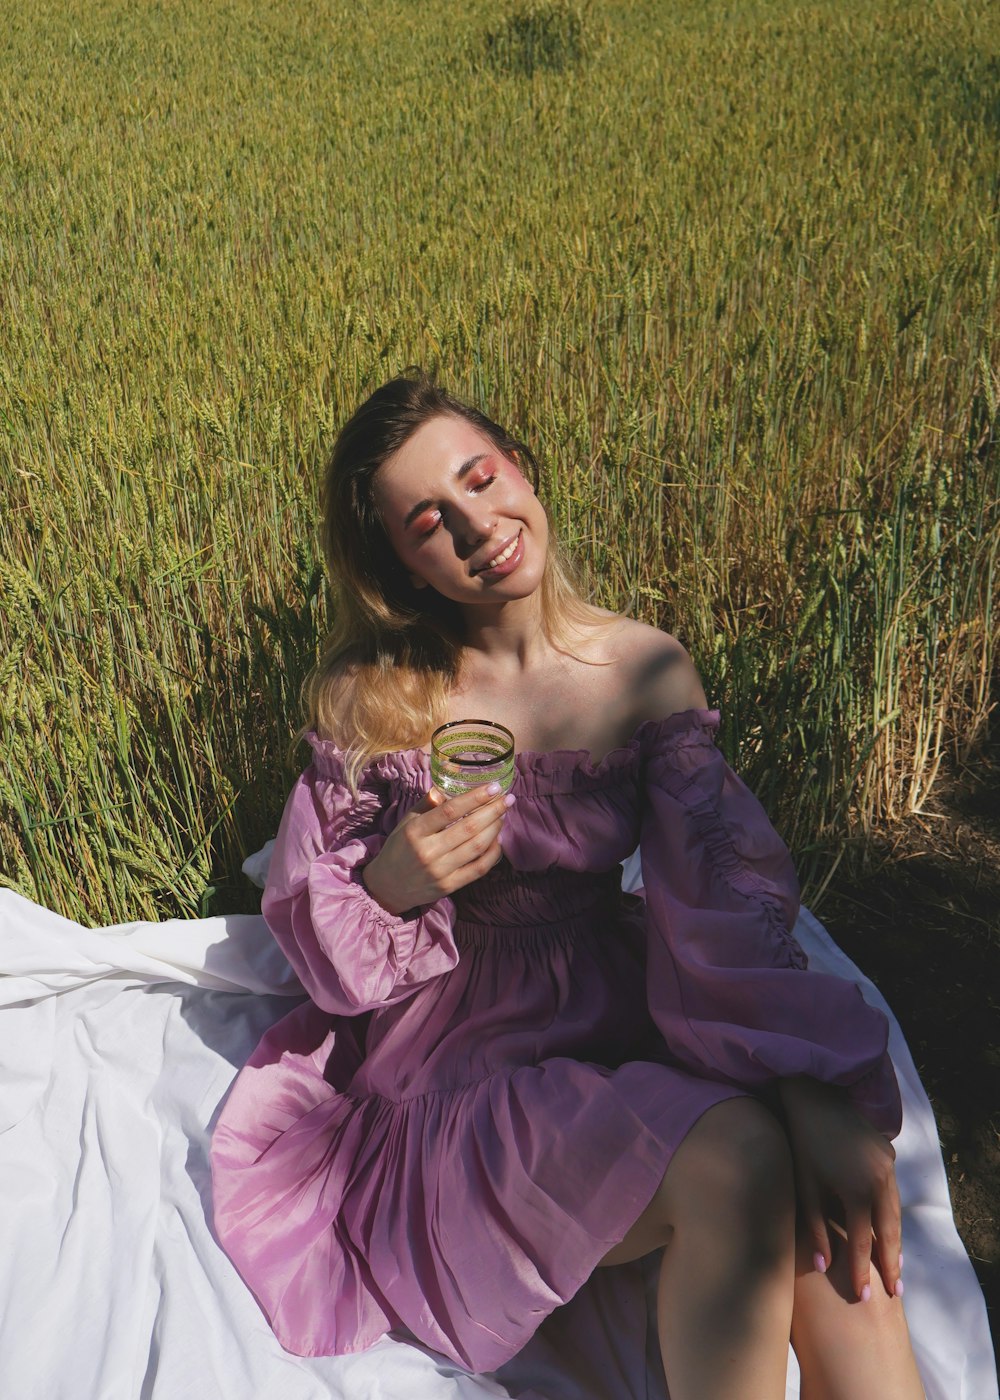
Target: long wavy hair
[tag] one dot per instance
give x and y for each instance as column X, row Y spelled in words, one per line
column 394, row 651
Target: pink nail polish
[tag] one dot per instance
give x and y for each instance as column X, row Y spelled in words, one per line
column 509, row 800
column 898, row 1290
column 819, row 1263
column 493, row 789
column 866, row 1293
column 901, row 1261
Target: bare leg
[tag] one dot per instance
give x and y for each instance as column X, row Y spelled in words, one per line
column 848, row 1350
column 725, row 1214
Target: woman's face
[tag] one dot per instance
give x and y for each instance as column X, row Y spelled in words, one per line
column 460, row 516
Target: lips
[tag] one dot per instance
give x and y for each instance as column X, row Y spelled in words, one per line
column 500, row 556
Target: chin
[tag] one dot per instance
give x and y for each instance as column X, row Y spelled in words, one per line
column 513, row 594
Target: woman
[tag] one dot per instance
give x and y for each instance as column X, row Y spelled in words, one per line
column 509, row 1073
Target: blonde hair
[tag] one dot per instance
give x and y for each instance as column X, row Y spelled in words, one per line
column 394, row 652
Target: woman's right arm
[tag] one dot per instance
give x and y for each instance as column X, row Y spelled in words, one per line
column 357, row 941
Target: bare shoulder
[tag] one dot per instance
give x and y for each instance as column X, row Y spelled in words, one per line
column 657, row 669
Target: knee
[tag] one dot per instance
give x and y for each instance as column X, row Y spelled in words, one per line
column 749, row 1166
column 735, row 1173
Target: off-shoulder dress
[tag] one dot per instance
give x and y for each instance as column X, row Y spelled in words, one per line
column 475, row 1104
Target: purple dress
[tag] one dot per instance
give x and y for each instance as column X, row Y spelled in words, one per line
column 477, row 1103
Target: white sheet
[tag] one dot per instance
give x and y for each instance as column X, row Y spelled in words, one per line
column 118, row 1045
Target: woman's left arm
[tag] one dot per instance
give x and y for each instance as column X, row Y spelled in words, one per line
column 840, row 1157
column 728, row 984
column 730, row 987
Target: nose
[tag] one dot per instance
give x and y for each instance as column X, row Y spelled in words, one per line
column 476, row 523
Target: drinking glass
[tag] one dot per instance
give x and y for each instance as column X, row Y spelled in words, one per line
column 466, row 753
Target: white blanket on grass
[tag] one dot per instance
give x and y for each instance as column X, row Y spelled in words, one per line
column 118, row 1045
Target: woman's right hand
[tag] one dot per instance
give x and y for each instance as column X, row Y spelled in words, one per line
column 443, row 844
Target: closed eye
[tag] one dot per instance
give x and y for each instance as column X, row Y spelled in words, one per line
column 476, row 486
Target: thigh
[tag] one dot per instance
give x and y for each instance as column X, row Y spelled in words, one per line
column 732, row 1165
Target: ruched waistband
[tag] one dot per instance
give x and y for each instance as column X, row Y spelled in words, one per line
column 536, row 908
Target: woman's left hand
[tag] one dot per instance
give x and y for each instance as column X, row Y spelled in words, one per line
column 839, row 1156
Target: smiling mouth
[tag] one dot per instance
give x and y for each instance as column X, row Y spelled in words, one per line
column 500, row 558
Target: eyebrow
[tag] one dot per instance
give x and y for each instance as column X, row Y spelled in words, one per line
column 463, row 471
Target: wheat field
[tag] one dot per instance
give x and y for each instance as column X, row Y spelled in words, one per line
column 731, row 268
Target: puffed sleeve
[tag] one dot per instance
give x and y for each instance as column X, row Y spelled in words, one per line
column 349, row 953
column 728, row 983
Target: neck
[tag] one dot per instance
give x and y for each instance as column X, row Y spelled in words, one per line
column 509, row 634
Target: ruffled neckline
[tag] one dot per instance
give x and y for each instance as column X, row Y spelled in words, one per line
column 412, row 766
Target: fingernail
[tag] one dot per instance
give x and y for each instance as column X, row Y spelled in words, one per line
column 898, row 1290
column 819, row 1263
column 493, row 789
column 900, row 1261
column 509, row 800
column 866, row 1293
